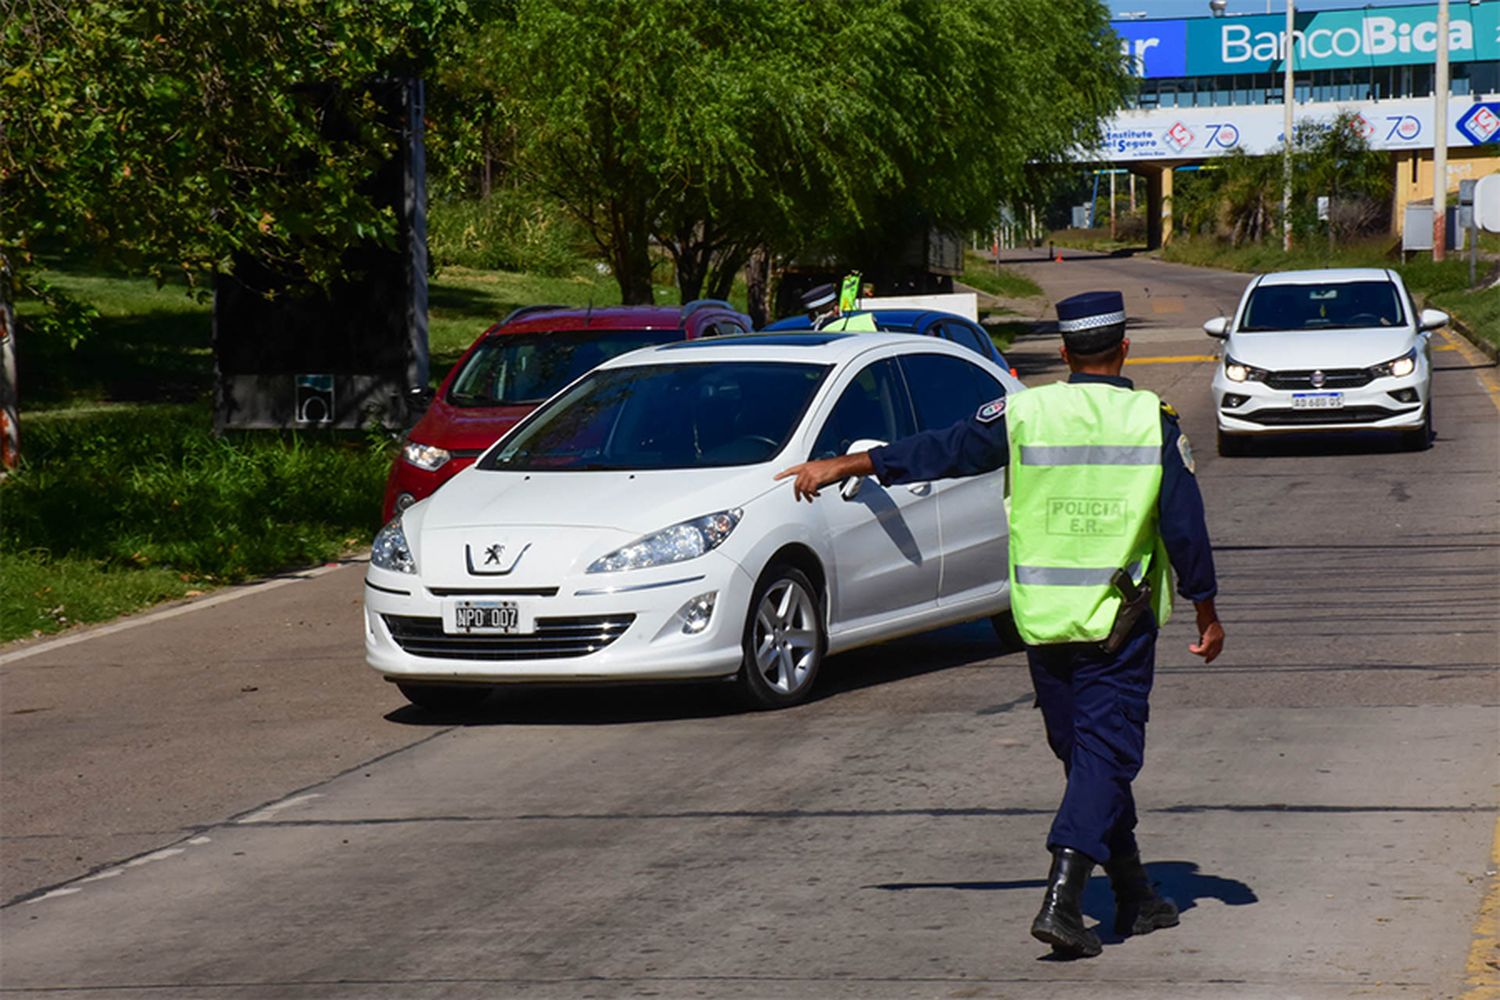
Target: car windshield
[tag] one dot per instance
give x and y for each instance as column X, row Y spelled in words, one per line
column 676, row 416
column 529, row 367
column 1342, row 305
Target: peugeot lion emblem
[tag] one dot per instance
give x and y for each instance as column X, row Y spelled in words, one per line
column 1318, row 378
column 494, row 562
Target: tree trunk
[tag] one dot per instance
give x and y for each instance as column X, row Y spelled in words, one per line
column 758, row 284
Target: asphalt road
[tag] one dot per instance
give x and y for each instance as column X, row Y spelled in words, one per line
column 225, row 802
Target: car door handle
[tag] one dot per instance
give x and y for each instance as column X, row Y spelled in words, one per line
column 920, row 489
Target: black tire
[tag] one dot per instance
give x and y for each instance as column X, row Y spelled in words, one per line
column 1232, row 445
column 1004, row 625
column 448, row 699
column 1421, row 438
column 784, row 641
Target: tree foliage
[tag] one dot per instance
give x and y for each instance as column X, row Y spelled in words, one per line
column 171, row 134
column 1238, row 198
column 713, row 129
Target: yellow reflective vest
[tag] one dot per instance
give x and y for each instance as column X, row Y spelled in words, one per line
column 1085, row 474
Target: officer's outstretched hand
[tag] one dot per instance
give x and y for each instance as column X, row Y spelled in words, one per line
column 1210, row 632
column 812, row 476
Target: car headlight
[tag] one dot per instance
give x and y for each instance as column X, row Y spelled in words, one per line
column 425, row 456
column 1397, row 367
column 687, row 540
column 1237, row 372
column 390, row 551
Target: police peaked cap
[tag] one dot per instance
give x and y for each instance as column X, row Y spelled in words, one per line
column 1092, row 322
column 816, row 297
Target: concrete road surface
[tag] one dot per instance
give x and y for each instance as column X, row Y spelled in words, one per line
column 224, row 802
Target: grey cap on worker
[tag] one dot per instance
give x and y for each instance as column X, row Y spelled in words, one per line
column 1092, row 322
column 817, row 298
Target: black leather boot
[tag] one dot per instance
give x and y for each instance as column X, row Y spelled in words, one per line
column 1138, row 907
column 1060, row 922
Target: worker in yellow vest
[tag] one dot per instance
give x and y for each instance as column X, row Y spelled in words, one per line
column 825, row 313
column 1104, row 506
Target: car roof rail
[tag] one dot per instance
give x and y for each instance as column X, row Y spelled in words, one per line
column 523, row 310
column 693, row 306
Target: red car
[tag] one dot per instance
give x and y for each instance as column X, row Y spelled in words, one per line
column 519, row 362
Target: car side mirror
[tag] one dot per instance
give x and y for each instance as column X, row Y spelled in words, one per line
column 1217, row 327
column 1432, row 319
column 849, row 488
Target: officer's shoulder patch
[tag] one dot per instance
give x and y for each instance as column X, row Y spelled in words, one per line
column 1169, row 409
column 1185, row 449
column 991, row 411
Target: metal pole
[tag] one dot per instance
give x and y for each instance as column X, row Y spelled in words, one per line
column 1440, row 140
column 1111, row 201
column 1286, row 127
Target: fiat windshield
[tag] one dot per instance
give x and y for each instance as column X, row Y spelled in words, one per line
column 1344, row 305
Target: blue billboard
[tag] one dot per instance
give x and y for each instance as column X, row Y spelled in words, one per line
column 1154, row 48
column 1328, row 39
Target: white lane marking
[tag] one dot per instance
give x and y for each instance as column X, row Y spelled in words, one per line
column 197, row 841
column 161, row 855
column 50, row 895
column 181, row 609
column 100, row 876
column 269, row 812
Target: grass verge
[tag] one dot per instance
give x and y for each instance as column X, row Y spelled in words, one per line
column 998, row 281
column 148, row 503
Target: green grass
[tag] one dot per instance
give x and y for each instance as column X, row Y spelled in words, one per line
column 40, row 594
column 1093, row 239
column 1002, row 282
column 1444, row 285
column 147, row 500
column 149, row 344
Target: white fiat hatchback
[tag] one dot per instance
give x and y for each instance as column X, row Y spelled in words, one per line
column 1327, row 350
column 631, row 527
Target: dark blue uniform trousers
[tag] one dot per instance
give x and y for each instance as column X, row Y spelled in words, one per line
column 1095, row 708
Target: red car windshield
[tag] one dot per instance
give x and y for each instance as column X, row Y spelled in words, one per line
column 515, row 368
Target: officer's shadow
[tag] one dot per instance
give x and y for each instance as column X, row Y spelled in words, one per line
column 1179, row 880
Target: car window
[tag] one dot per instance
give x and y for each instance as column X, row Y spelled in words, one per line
column 966, row 336
column 1334, row 305
column 672, row 416
column 945, row 389
column 874, row 407
column 529, row 367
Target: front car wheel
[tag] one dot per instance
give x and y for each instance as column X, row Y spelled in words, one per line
column 784, row 640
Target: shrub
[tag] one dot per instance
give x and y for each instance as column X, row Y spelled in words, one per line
column 152, row 486
column 506, row 231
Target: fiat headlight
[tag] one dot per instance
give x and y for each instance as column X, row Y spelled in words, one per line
column 687, row 540
column 425, row 456
column 1397, row 367
column 1237, row 372
column 390, row 551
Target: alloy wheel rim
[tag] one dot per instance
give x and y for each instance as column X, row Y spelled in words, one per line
column 786, row 637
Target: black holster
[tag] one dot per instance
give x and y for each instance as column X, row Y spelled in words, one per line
column 1136, row 601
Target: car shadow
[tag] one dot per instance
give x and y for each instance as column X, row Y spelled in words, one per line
column 627, row 703
column 1324, row 444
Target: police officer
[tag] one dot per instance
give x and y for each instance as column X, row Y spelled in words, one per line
column 1102, row 479
column 823, row 312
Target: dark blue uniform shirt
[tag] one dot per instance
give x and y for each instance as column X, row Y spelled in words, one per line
column 972, row 446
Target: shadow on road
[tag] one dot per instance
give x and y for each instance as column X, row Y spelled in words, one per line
column 623, row 704
column 1182, row 881
column 1321, row 445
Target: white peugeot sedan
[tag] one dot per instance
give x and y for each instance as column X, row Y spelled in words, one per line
column 631, row 528
column 1325, row 350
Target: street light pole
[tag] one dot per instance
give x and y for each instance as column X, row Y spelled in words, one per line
column 1440, row 140
column 1286, row 128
